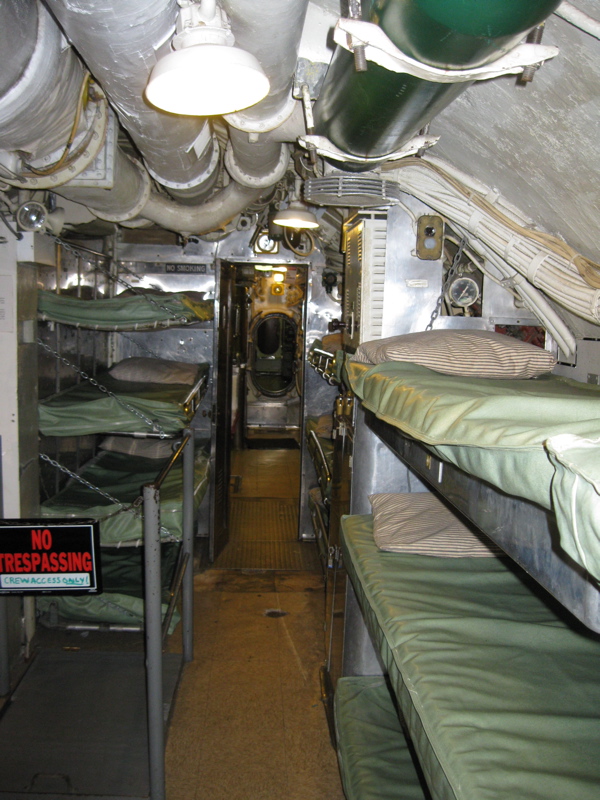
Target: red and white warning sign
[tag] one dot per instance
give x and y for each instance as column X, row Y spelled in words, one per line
column 38, row 557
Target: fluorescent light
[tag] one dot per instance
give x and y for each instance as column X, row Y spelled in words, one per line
column 206, row 80
column 263, row 267
column 296, row 216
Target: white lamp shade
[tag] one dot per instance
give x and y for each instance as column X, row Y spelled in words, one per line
column 206, row 80
column 296, row 217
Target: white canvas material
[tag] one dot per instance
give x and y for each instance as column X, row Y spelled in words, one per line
column 421, row 524
column 476, row 354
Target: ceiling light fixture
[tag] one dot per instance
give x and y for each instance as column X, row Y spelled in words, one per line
column 296, row 216
column 34, row 216
column 205, row 75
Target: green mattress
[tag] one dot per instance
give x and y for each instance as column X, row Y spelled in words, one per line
column 109, row 608
column 84, row 409
column 503, row 431
column 374, row 758
column 501, row 697
column 125, row 313
column 122, row 477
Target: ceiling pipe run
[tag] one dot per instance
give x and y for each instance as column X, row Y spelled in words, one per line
column 41, row 81
column 255, row 161
column 118, row 42
column 373, row 113
column 271, row 31
column 133, row 197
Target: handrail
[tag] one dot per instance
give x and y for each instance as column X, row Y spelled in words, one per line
column 153, row 602
column 158, row 482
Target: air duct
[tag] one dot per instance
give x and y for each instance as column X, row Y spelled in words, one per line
column 271, row 32
column 37, row 113
column 118, row 42
column 40, row 81
column 132, row 197
column 373, row 113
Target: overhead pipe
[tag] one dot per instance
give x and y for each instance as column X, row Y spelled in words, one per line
column 118, row 42
column 40, row 81
column 272, row 33
column 255, row 162
column 373, row 113
column 132, row 197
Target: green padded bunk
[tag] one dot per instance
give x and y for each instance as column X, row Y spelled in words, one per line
column 125, row 312
column 505, row 432
column 122, row 477
column 84, row 409
column 500, row 694
column 373, row 755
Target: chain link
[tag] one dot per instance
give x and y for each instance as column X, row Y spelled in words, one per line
column 132, row 410
column 133, row 508
column 148, row 298
column 81, row 480
column 140, row 345
column 445, row 283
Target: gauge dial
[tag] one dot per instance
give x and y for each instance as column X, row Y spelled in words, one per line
column 264, row 244
column 463, row 292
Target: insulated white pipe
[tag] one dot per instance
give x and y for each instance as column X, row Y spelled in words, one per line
column 271, row 31
column 132, row 197
column 118, row 42
column 579, row 19
column 37, row 109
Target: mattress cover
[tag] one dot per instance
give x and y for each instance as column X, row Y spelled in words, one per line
column 500, row 430
column 122, row 477
column 375, row 762
column 125, row 313
column 502, row 697
column 84, row 409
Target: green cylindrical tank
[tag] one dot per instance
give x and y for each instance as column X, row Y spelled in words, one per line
column 371, row 114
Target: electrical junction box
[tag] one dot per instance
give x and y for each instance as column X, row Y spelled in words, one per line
column 388, row 289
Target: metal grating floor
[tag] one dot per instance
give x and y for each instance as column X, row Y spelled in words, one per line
column 263, row 535
column 76, row 725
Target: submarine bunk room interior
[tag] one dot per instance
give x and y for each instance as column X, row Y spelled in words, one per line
column 300, row 335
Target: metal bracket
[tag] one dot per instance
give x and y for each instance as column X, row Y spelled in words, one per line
column 327, row 149
column 380, row 49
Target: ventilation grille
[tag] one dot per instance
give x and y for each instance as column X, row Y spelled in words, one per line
column 351, row 191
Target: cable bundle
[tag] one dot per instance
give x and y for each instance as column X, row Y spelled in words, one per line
column 498, row 235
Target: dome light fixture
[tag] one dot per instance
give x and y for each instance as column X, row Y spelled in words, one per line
column 205, row 75
column 297, row 216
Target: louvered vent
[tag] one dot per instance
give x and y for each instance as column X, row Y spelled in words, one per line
column 351, row 191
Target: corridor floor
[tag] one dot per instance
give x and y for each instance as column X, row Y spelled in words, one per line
column 248, row 721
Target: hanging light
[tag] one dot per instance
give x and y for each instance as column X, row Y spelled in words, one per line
column 205, row 74
column 296, row 216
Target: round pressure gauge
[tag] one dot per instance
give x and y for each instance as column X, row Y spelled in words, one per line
column 264, row 244
column 463, row 292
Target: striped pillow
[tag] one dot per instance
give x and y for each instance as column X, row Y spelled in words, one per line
column 421, row 524
column 471, row 353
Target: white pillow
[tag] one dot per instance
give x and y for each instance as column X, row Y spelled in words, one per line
column 155, row 370
column 420, row 523
column 147, row 448
column 472, row 353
